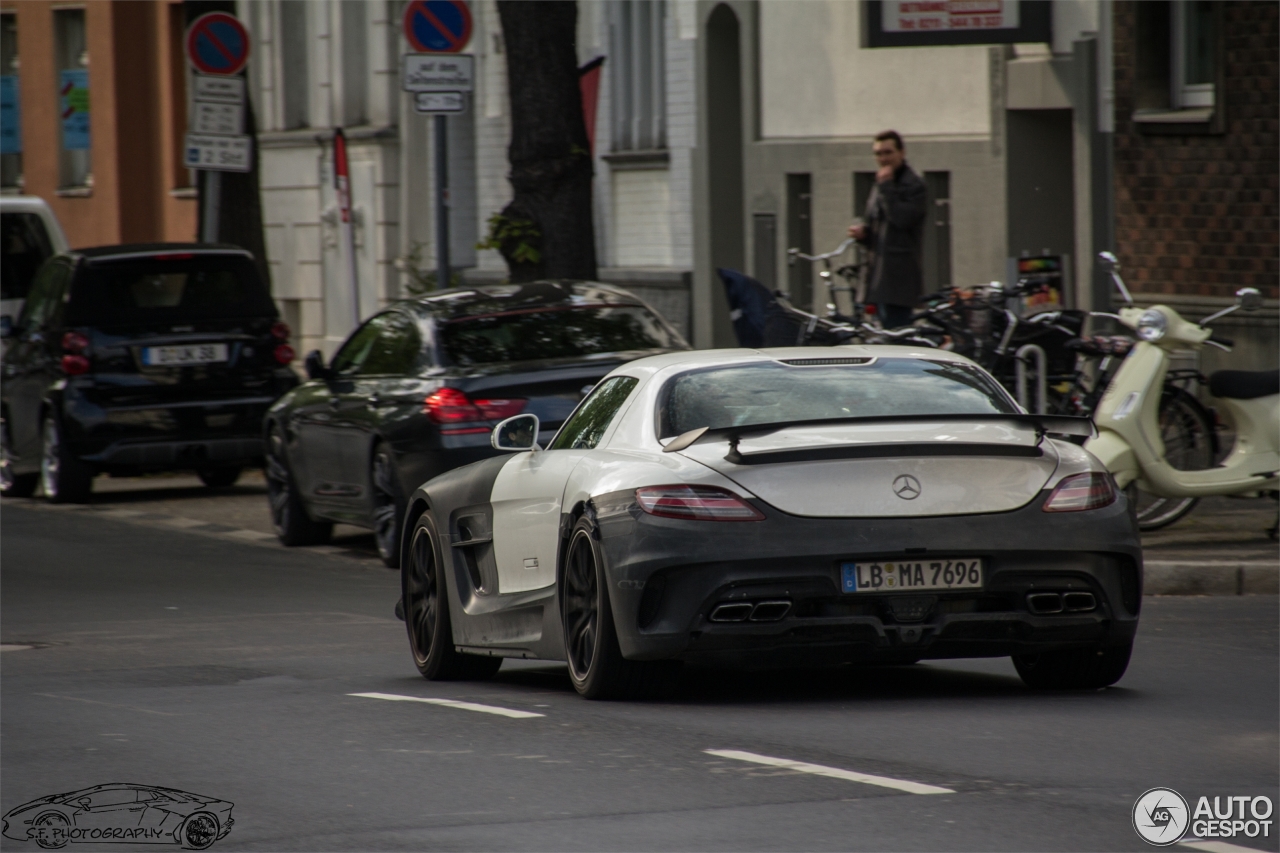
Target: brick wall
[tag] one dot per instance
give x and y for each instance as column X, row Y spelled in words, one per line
column 1196, row 214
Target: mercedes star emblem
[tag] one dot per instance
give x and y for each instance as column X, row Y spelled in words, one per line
column 906, row 487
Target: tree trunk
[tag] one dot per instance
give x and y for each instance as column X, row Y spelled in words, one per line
column 549, row 153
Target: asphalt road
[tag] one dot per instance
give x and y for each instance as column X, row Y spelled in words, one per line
column 169, row 658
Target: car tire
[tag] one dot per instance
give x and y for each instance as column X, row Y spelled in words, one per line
column 289, row 518
column 596, row 665
column 198, row 831
column 1074, row 669
column 13, row 485
column 63, row 478
column 425, row 595
column 219, row 478
column 388, row 505
column 51, row 820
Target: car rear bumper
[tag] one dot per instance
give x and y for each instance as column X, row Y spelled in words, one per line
column 667, row 577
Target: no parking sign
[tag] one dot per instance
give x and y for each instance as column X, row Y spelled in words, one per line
column 217, row 43
column 437, row 26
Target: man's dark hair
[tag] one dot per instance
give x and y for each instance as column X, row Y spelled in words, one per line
column 891, row 134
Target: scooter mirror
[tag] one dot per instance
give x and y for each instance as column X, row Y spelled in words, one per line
column 1249, row 298
column 1108, row 261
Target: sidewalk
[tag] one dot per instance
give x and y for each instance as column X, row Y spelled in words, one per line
column 1221, row 548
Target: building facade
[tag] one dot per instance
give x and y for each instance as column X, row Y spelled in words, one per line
column 94, row 115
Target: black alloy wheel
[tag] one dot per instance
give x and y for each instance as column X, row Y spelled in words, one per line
column 426, row 614
column 52, row 822
column 63, row 478
column 13, row 485
column 289, row 518
column 198, row 831
column 388, row 506
column 220, row 478
column 596, row 665
column 1074, row 669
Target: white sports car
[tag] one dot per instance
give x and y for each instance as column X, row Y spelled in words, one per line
column 771, row 508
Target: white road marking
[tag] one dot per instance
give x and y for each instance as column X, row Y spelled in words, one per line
column 831, row 772
column 14, row 647
column 452, row 703
column 1216, row 846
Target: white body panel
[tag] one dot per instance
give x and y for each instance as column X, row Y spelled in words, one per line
column 527, row 501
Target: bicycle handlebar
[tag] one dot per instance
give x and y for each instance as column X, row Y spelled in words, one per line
column 839, row 250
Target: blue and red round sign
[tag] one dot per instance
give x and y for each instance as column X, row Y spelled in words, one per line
column 217, row 43
column 437, row 26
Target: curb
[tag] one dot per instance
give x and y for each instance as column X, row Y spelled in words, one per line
column 191, row 525
column 1218, row 577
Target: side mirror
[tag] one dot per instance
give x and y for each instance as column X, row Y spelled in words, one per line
column 1249, row 298
column 516, row 434
column 315, row 366
column 6, row 327
column 1108, row 262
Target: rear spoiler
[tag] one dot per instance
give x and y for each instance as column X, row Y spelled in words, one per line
column 1044, row 425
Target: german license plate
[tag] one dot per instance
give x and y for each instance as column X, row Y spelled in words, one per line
column 910, row 575
column 184, row 354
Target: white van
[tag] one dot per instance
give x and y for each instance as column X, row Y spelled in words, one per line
column 29, row 236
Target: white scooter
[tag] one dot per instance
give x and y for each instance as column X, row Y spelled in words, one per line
column 1129, row 438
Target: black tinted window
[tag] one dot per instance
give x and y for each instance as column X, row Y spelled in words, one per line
column 775, row 393
column 586, row 426
column 562, row 332
column 387, row 344
column 24, row 246
column 169, row 291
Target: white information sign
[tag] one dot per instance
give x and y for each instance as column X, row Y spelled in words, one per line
column 438, row 72
column 217, row 153
column 442, row 103
column 218, row 119
column 219, row 90
column 925, row 16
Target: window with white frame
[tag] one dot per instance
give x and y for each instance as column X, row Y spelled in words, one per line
column 1193, row 49
column 295, row 81
column 636, row 69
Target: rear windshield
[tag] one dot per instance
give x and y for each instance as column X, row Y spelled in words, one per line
column 24, row 246
column 167, row 291
column 777, row 393
column 561, row 332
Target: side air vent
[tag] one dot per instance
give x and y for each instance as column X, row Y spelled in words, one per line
column 818, row 362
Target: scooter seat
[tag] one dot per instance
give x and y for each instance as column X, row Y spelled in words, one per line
column 1244, row 384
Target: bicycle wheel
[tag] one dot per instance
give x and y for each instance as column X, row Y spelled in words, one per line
column 1187, row 432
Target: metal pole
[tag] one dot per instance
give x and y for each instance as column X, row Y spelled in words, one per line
column 442, row 202
column 212, row 206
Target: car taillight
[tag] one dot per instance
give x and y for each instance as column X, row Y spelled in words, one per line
column 696, row 503
column 451, row 406
column 75, row 365
column 1080, row 492
column 280, row 331
column 283, row 353
column 74, row 342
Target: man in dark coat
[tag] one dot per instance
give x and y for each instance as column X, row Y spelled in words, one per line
column 894, row 224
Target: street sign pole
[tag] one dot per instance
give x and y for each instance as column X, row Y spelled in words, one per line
column 443, row 276
column 439, row 75
column 212, row 205
column 217, row 46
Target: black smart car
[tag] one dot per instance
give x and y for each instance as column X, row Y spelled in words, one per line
column 416, row 390
column 129, row 359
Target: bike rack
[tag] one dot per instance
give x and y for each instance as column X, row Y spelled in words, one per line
column 1024, row 354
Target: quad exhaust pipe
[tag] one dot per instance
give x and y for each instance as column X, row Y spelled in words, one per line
column 744, row 611
column 1048, row 603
